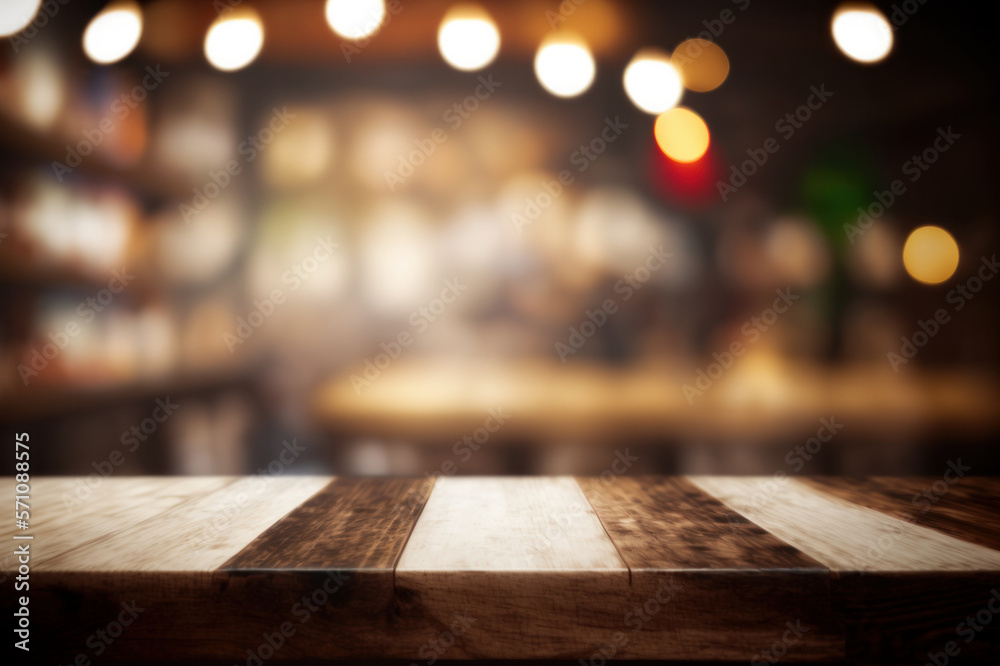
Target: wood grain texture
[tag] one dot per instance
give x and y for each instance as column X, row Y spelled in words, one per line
column 67, row 513
column 513, row 568
column 196, row 535
column 675, row 537
column 523, row 565
column 902, row 588
column 967, row 508
column 663, row 523
column 509, row 524
column 337, row 601
column 842, row 535
column 351, row 524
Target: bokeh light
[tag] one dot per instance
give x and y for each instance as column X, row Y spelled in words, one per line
column 688, row 185
column 681, row 134
column 113, row 33
column 234, row 40
column 703, row 65
column 301, row 153
column 564, row 65
column 41, row 87
column 468, row 38
column 355, row 19
column 930, row 255
column 796, row 252
column 15, row 15
column 862, row 33
column 652, row 82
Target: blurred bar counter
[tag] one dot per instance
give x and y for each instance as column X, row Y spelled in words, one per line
column 759, row 402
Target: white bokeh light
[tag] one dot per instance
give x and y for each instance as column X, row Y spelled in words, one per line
column 15, row 15
column 113, row 33
column 234, row 41
column 862, row 33
column 355, row 19
column 564, row 66
column 652, row 83
column 468, row 38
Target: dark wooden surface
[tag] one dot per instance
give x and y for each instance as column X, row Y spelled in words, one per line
column 968, row 509
column 350, row 525
column 701, row 568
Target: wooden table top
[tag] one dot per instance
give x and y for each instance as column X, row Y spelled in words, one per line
column 704, row 568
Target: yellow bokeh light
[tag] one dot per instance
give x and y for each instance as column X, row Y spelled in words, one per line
column 862, row 32
column 681, row 134
column 930, row 255
column 652, row 82
column 703, row 64
column 468, row 38
column 564, row 65
column 113, row 33
column 355, row 19
column 234, row 40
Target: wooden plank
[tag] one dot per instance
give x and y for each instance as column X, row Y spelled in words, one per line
column 509, row 524
column 506, row 568
column 352, row 524
column 196, row 535
column 662, row 523
column 505, row 564
column 60, row 524
column 321, row 577
column 674, row 536
column 967, row 509
column 903, row 589
column 842, row 535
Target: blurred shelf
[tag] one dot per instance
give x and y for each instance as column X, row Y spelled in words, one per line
column 437, row 401
column 20, row 138
column 35, row 402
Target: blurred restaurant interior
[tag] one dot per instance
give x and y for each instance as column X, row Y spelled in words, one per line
column 417, row 237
